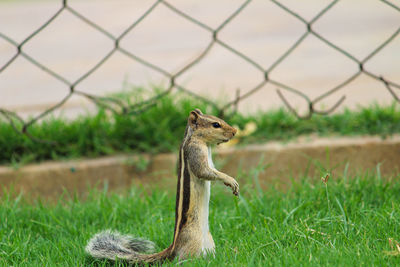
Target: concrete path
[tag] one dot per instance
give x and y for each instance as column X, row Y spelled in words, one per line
column 348, row 157
column 262, row 31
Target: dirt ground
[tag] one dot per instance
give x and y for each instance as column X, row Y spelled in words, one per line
column 342, row 158
column 262, row 31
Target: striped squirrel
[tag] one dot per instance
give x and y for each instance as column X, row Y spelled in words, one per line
column 195, row 171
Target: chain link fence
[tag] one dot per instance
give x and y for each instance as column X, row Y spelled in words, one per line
column 117, row 105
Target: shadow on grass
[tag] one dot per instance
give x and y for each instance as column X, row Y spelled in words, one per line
column 90, row 261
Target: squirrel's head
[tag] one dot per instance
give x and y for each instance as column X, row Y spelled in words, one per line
column 210, row 129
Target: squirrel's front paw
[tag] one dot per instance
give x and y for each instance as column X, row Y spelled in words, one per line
column 232, row 183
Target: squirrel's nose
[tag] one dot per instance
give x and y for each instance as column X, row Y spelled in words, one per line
column 234, row 132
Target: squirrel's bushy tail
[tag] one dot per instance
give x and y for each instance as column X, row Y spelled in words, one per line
column 111, row 245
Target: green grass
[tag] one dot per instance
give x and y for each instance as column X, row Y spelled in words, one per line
column 346, row 223
column 160, row 129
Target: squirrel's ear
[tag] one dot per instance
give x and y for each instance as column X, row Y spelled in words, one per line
column 193, row 116
column 198, row 111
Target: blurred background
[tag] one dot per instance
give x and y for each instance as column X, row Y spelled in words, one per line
column 67, row 54
column 147, row 64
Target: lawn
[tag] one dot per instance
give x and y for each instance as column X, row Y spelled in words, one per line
column 346, row 222
column 161, row 128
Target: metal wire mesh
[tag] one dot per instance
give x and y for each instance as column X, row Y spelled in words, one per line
column 117, row 105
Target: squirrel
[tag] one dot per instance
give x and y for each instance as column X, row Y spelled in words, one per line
column 192, row 237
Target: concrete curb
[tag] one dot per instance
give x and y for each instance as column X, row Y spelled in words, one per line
column 284, row 162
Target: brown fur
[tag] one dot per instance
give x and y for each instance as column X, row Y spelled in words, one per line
column 195, row 170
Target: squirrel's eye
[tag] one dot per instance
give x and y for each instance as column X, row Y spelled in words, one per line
column 216, row 125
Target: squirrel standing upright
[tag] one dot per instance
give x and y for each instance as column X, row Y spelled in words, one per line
column 195, row 171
